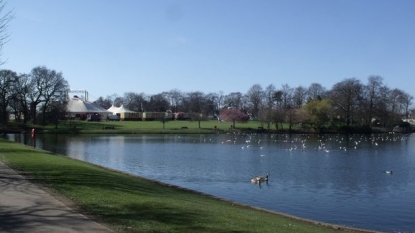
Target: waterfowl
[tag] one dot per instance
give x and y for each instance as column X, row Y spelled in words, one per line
column 389, row 171
column 259, row 179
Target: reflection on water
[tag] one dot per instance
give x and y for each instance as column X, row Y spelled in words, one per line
column 331, row 178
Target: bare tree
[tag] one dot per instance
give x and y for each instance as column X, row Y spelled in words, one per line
column 21, row 102
column 234, row 99
column 54, row 94
column 7, row 80
column 287, row 96
column 278, row 113
column 211, row 104
column 255, row 97
column 382, row 108
column 407, row 102
column 104, row 102
column 134, row 101
column 221, row 98
column 372, row 96
column 5, row 17
column 399, row 103
column 175, row 97
column 158, row 103
column 266, row 113
column 315, row 91
column 299, row 97
column 49, row 86
column 346, row 96
column 117, row 100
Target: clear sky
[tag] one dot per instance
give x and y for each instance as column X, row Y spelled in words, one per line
column 116, row 46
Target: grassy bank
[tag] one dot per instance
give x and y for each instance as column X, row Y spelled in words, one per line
column 132, row 204
column 145, row 127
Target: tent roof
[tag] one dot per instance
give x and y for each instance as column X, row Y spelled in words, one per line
column 120, row 109
column 81, row 106
column 113, row 109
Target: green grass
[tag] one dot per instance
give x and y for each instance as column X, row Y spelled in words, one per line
column 147, row 127
column 133, row 204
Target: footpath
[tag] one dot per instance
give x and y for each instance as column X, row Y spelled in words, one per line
column 24, row 207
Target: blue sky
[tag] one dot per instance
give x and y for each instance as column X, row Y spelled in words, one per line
column 112, row 47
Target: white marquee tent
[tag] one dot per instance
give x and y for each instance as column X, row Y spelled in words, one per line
column 113, row 109
column 81, row 108
column 120, row 109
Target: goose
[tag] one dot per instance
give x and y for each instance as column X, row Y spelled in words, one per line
column 259, row 179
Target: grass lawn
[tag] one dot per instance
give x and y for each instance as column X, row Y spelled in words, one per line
column 132, row 204
column 147, row 127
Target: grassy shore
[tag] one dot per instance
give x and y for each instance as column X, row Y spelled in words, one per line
column 128, row 203
column 148, row 127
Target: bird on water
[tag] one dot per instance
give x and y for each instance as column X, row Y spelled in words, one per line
column 259, row 179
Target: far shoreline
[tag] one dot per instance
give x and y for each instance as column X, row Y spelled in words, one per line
column 184, row 127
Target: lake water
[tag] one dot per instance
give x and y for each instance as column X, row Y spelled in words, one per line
column 336, row 179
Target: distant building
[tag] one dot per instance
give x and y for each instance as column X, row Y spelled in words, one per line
column 80, row 109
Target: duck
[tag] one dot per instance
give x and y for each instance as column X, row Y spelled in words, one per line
column 389, row 171
column 259, row 179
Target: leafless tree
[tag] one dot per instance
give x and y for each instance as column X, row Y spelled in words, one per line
column 346, row 96
column 255, row 97
column 21, row 102
column 299, row 96
column 175, row 97
column 5, row 17
column 287, row 96
column 195, row 101
column 158, row 103
column 234, row 99
column 315, row 91
column 221, row 98
column 372, row 96
column 104, row 102
column 407, row 102
column 117, row 100
column 211, row 103
column 134, row 101
column 48, row 86
column 8, row 79
column 267, row 108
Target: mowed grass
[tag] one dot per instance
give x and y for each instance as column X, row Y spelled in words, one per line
column 127, row 203
column 170, row 127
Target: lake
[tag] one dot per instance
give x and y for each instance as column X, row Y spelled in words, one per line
column 336, row 179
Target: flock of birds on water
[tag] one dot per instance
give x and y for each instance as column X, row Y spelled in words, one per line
column 299, row 143
column 294, row 143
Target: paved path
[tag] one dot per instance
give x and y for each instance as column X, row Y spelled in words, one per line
column 24, row 207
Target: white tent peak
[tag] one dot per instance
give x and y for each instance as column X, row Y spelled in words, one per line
column 77, row 105
column 113, row 109
column 123, row 109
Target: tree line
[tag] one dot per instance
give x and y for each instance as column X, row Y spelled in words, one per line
column 42, row 95
column 349, row 102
